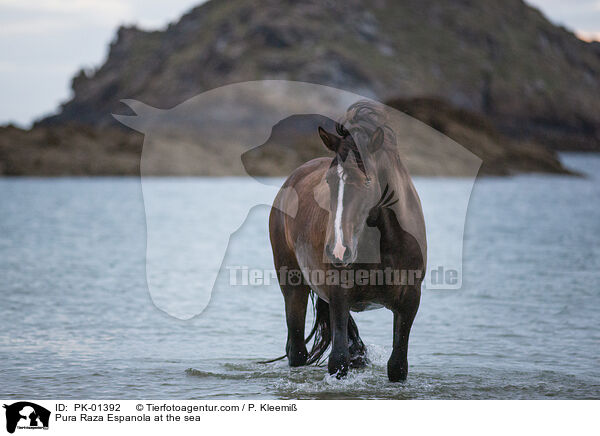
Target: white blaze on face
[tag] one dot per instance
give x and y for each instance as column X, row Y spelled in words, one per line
column 339, row 249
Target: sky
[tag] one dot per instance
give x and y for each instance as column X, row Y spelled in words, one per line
column 45, row 42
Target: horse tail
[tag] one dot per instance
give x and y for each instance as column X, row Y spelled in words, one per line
column 271, row 360
column 321, row 331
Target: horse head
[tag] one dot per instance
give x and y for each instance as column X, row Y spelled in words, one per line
column 354, row 188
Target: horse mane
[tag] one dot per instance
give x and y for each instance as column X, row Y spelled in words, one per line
column 363, row 118
column 367, row 116
column 341, row 130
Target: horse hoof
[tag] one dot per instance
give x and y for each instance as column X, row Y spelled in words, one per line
column 397, row 373
column 297, row 358
column 339, row 369
column 358, row 362
column 397, row 378
column 340, row 373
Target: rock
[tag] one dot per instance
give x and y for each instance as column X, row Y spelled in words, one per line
column 511, row 84
column 505, row 60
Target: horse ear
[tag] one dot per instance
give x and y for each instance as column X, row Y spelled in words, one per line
column 376, row 140
column 330, row 140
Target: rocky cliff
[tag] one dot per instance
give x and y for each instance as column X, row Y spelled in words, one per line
column 530, row 86
column 505, row 60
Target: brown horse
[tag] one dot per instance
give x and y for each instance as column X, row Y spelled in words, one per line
column 358, row 238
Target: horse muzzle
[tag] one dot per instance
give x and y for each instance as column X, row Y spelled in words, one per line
column 340, row 255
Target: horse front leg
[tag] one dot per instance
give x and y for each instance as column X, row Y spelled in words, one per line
column 339, row 312
column 404, row 315
column 296, row 299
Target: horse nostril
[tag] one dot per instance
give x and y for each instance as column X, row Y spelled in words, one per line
column 347, row 256
column 329, row 252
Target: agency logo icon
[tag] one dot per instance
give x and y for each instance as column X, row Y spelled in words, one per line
column 26, row 415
